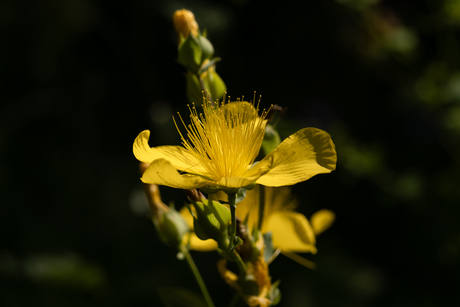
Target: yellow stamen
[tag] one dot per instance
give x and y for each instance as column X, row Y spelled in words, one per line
column 226, row 137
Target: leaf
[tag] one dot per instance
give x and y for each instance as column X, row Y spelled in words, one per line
column 268, row 250
column 180, row 297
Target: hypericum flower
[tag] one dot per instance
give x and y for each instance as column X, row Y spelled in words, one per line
column 221, row 146
column 291, row 231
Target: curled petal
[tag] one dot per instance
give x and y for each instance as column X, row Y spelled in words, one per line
column 322, row 220
column 162, row 172
column 291, row 232
column 179, row 157
column 306, row 153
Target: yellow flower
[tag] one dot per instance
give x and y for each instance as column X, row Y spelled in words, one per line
column 291, row 231
column 223, row 143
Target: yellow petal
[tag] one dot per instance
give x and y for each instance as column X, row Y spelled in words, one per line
column 202, row 245
column 179, row 157
column 249, row 177
column 306, row 153
column 291, row 231
column 195, row 242
column 162, row 172
column 187, row 216
column 322, row 220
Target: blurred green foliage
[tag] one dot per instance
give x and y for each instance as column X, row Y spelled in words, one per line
column 80, row 79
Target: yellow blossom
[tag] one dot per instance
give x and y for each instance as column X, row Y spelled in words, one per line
column 291, row 231
column 221, row 145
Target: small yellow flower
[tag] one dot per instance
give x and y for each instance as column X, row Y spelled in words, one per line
column 185, row 23
column 223, row 143
column 291, row 231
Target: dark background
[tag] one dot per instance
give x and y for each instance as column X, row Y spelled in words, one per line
column 80, row 79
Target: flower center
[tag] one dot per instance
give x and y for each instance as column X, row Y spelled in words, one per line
column 226, row 137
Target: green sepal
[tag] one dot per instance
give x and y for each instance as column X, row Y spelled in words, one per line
column 171, row 227
column 214, row 84
column 211, row 221
column 207, row 65
column 240, row 195
column 190, row 54
column 269, row 249
column 194, row 89
column 271, row 139
column 221, row 212
column 275, row 293
column 207, row 49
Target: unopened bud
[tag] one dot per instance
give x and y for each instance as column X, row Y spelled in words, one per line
column 185, row 23
column 169, row 223
column 211, row 221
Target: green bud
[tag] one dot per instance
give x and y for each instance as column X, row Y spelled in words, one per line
column 271, row 139
column 193, row 51
column 171, row 227
column 211, row 221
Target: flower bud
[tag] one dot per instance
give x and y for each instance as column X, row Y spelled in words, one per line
column 271, row 139
column 185, row 23
column 169, row 223
column 211, row 220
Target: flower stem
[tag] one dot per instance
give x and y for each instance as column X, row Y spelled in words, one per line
column 232, row 204
column 197, row 275
column 239, row 262
column 261, row 206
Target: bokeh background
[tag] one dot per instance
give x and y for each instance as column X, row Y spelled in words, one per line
column 80, row 79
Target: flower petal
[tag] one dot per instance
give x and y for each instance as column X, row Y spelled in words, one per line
column 249, row 177
column 202, row 245
column 162, row 172
column 306, row 153
column 322, row 220
column 187, row 216
column 179, row 157
column 291, row 231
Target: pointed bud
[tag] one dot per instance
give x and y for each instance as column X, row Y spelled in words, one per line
column 185, row 23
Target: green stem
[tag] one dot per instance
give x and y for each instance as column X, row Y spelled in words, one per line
column 239, row 262
column 261, row 206
column 232, row 204
column 198, row 277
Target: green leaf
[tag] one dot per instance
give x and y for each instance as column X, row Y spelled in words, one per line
column 180, row 297
column 269, row 250
column 205, row 67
